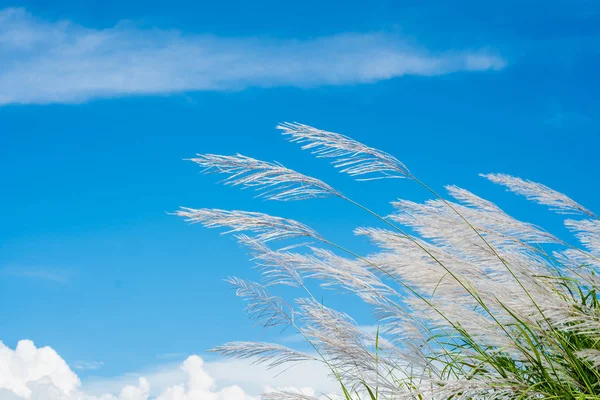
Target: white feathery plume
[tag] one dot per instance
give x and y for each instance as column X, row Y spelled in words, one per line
column 590, row 355
column 435, row 220
column 588, row 233
column 404, row 259
column 496, row 287
column 272, row 180
column 415, row 262
column 457, row 246
column 579, row 265
column 266, row 309
column 539, row 193
column 284, row 267
column 266, row 227
column 582, row 320
column 353, row 275
column 288, row 268
column 274, row 355
column 344, row 344
column 490, row 388
column 488, row 217
column 286, row 395
column 277, row 266
column 469, row 199
column 352, row 157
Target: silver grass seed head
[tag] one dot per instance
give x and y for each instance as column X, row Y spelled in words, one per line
column 286, row 395
column 266, row 309
column 588, row 233
column 278, row 267
column 264, row 227
column 273, row 181
column 539, row 193
column 590, row 355
column 272, row 354
column 351, row 157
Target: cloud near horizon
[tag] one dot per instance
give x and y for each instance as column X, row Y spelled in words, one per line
column 63, row 62
column 32, row 373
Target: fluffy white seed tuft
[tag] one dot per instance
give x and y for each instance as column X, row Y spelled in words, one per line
column 272, row 180
column 350, row 156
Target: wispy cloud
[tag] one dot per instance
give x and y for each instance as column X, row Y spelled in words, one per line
column 46, row 274
column 62, row 62
column 87, row 365
column 171, row 356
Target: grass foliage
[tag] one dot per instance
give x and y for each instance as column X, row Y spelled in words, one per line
column 471, row 303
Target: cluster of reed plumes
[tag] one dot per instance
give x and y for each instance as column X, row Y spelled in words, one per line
column 471, row 303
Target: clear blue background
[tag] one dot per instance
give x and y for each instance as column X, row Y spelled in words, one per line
column 84, row 189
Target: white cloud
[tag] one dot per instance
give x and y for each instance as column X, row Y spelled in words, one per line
column 62, row 62
column 28, row 364
column 87, row 365
column 253, row 379
column 46, row 274
column 30, row 373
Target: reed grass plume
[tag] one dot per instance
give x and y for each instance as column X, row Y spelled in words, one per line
column 470, row 302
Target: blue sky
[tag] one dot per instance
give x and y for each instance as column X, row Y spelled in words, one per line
column 100, row 102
